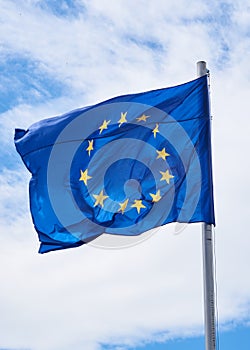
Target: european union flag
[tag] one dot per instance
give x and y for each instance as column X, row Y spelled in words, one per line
column 123, row 166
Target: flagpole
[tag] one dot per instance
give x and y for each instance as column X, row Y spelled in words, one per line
column 208, row 265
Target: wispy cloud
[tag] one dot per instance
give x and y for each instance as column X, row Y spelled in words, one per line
column 65, row 8
column 26, row 81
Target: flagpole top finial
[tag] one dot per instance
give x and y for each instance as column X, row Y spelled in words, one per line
column 201, row 68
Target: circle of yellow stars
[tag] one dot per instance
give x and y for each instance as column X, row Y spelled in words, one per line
column 137, row 203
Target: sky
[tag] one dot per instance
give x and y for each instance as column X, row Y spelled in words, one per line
column 56, row 56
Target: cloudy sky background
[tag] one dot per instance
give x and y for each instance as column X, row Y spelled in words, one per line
column 56, row 56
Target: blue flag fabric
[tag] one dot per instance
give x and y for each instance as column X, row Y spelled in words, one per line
column 123, row 166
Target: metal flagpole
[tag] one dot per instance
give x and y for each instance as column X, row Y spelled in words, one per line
column 208, row 265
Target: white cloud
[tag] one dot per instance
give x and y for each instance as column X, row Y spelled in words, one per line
column 98, row 295
column 84, row 297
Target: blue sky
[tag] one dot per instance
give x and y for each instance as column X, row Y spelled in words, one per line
column 60, row 55
column 233, row 339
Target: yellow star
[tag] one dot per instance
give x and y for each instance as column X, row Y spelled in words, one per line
column 123, row 206
column 104, row 125
column 162, row 154
column 166, row 176
column 123, row 119
column 84, row 176
column 156, row 130
column 155, row 197
column 99, row 199
column 138, row 205
column 143, row 118
column 90, row 146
